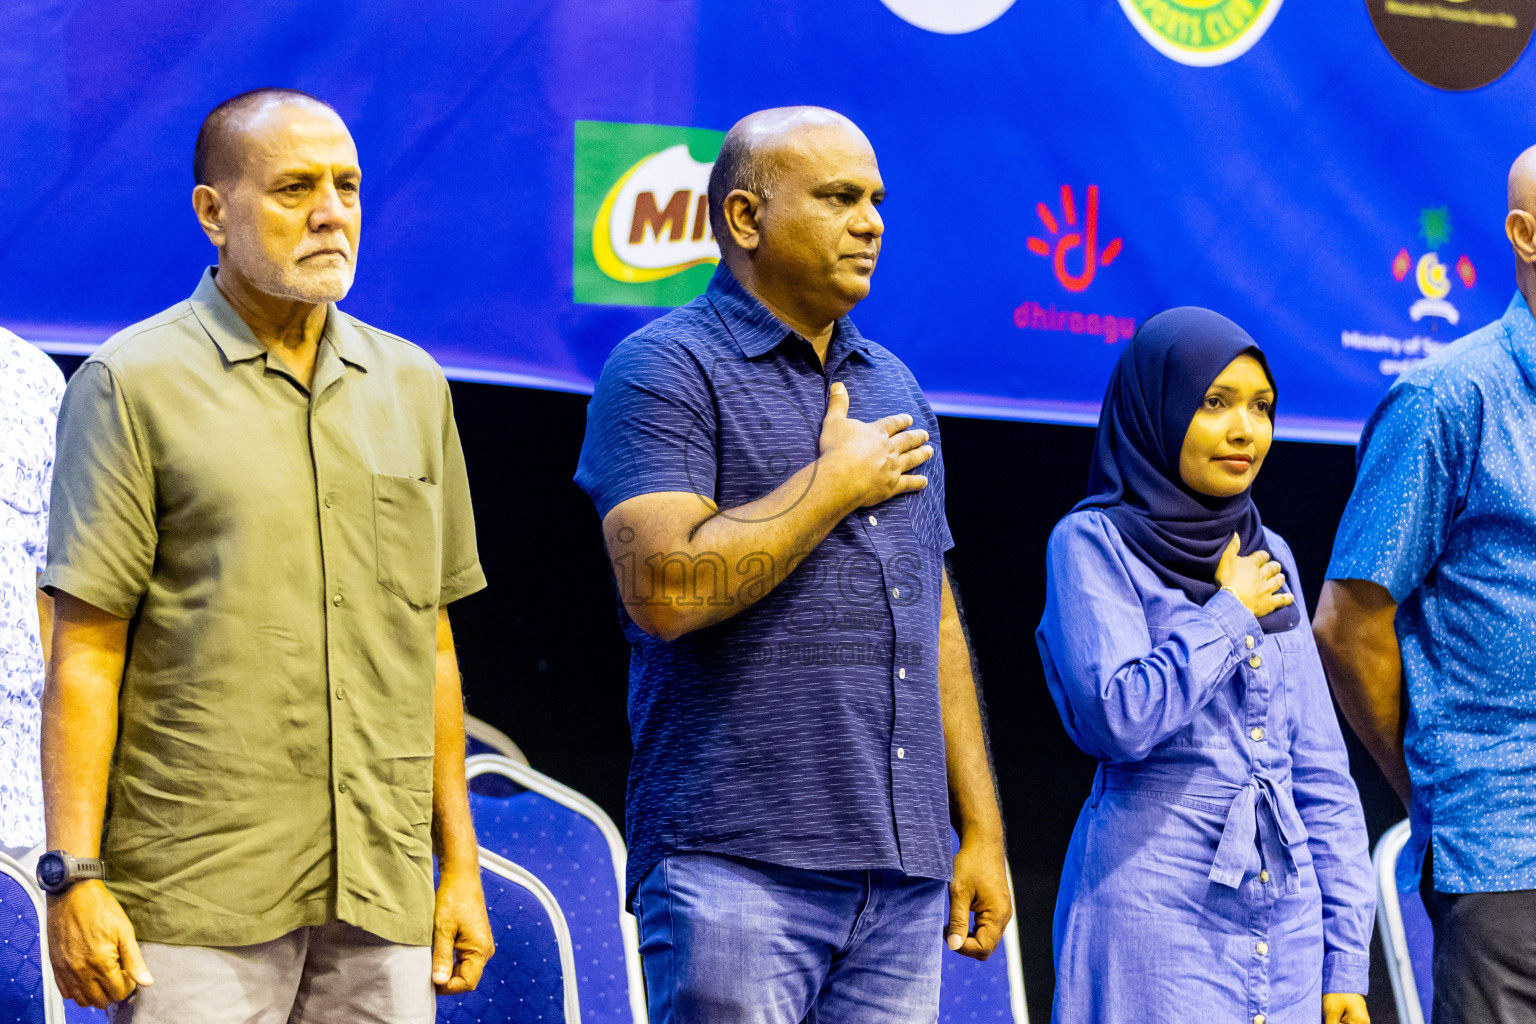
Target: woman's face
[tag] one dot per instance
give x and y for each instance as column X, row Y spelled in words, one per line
column 1230, row 434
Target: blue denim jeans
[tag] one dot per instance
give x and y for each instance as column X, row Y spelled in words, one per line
column 733, row 941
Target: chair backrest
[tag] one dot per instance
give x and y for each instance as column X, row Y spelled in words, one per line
column 531, row 979
column 1406, row 934
column 484, row 738
column 27, row 992
column 989, row 990
column 576, row 850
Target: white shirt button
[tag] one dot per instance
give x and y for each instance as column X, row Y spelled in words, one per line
column 1263, row 875
column 901, row 673
column 1248, row 642
column 1262, row 949
column 1255, row 661
column 1258, row 1018
column 901, row 752
column 1256, row 734
column 895, row 591
column 873, row 521
column 336, row 599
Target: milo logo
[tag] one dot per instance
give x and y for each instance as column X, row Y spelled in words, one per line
column 642, row 235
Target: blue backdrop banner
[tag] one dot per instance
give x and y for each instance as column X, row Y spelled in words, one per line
column 534, row 171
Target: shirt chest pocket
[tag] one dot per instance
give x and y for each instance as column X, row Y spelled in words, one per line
column 407, row 521
column 1292, row 650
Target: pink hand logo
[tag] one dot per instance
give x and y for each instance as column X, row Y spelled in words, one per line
column 1088, row 238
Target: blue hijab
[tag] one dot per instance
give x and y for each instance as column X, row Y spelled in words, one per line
column 1154, row 391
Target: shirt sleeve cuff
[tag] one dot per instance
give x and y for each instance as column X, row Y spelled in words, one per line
column 461, row 584
column 89, row 589
column 1342, row 568
column 1347, row 972
column 1234, row 618
column 634, row 487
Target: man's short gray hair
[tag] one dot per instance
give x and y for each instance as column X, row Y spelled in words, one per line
column 213, row 157
column 739, row 166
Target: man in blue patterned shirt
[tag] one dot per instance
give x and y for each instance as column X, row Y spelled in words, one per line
column 801, row 696
column 1432, row 592
column 31, row 387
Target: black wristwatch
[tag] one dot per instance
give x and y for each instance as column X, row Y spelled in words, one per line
column 57, row 871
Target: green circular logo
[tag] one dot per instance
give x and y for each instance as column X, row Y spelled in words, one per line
column 1201, row 33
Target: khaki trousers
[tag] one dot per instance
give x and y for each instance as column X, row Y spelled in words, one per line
column 334, row 974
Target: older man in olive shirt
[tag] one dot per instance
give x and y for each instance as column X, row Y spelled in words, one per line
column 260, row 515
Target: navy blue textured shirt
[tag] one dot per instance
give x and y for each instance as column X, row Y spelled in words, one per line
column 804, row 731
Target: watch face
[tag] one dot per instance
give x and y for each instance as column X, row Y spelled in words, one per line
column 50, row 870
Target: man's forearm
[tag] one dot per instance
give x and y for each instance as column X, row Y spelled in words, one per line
column 785, row 524
column 45, row 624
column 729, row 559
column 1357, row 640
column 972, row 791
column 79, row 726
column 1369, row 692
column 453, row 831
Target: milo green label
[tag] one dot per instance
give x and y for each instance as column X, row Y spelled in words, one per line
column 642, row 233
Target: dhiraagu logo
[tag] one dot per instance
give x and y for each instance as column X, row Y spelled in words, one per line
column 1201, row 33
column 642, row 235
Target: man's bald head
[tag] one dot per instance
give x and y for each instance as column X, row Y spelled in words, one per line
column 217, row 155
column 1520, row 222
column 750, row 157
column 1522, row 182
column 794, row 200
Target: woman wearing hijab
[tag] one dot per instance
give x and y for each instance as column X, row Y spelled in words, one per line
column 1219, row 870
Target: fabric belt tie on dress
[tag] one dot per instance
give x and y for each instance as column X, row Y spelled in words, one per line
column 1275, row 831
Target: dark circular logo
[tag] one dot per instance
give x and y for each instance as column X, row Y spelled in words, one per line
column 1454, row 44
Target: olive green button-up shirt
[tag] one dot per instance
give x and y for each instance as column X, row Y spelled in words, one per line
column 282, row 552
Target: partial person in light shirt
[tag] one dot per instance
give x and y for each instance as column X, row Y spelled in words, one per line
column 1219, row 869
column 31, row 387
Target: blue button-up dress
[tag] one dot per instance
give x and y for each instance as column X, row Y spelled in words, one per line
column 1219, row 870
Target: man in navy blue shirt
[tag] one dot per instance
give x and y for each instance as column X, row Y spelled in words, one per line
column 801, row 697
column 1432, row 594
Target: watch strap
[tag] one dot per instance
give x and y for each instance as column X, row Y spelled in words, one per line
column 81, row 868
